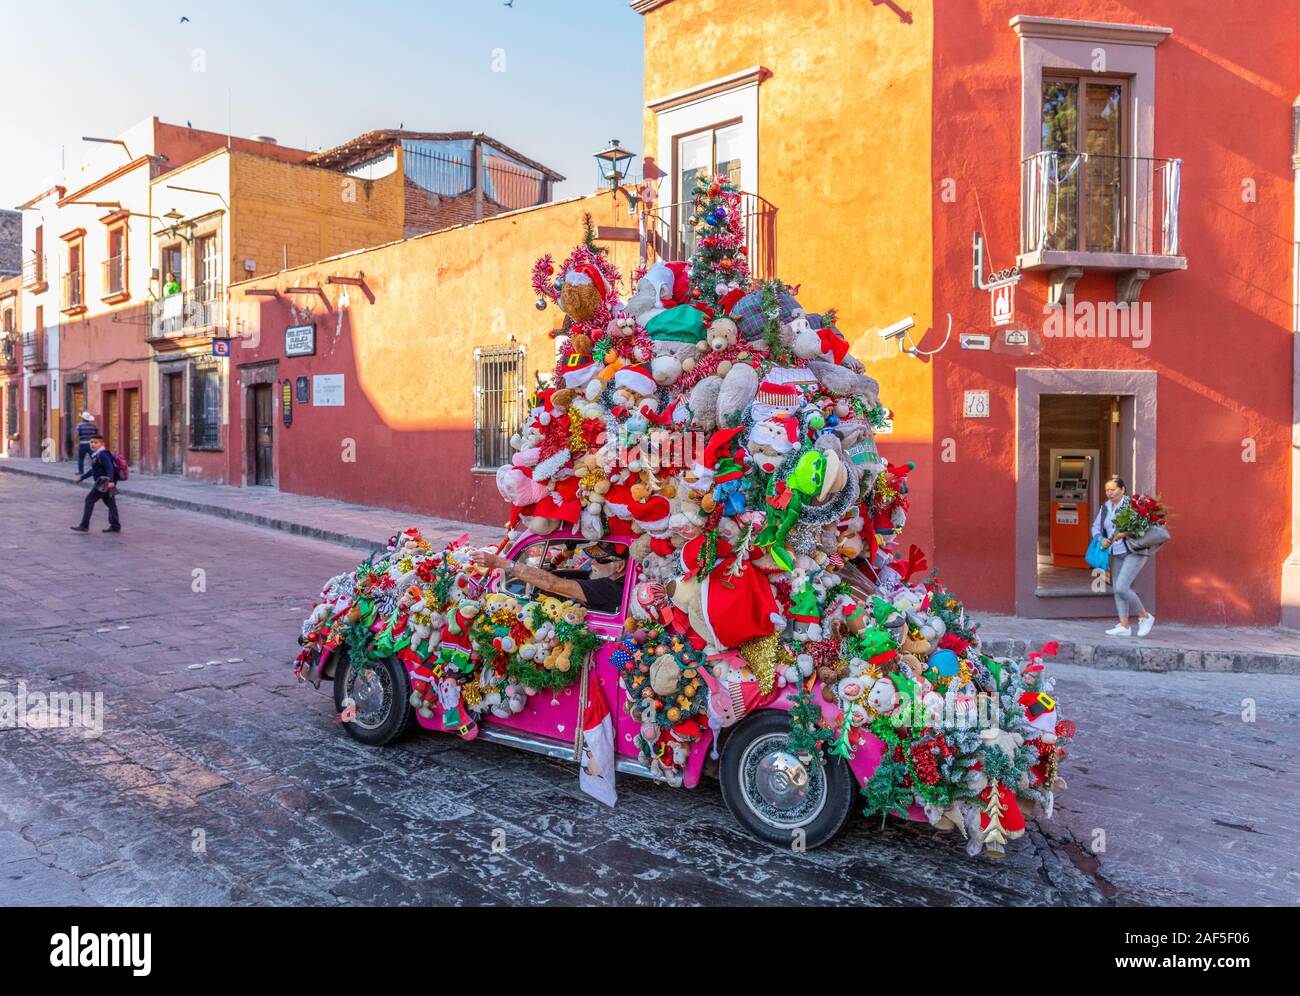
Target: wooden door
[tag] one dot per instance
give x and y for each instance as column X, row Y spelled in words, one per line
column 131, row 428
column 262, row 436
column 173, row 455
column 40, row 423
column 76, row 398
column 112, row 427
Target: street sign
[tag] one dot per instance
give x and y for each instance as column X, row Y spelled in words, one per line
column 221, row 347
column 1002, row 300
column 300, row 340
column 977, row 404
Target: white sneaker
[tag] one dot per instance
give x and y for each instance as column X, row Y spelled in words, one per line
column 1144, row 625
column 1120, row 631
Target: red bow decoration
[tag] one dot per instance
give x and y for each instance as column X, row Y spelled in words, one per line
column 832, row 342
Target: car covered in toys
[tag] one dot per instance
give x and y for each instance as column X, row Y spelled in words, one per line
column 718, row 441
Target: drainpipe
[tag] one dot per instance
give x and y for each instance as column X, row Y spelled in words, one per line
column 477, row 159
column 1291, row 566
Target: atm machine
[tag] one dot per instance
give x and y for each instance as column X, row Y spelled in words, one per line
column 1074, row 503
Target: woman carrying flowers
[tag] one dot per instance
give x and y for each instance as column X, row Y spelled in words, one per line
column 1125, row 563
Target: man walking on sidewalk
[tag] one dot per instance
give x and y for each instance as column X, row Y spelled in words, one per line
column 85, row 429
column 104, row 469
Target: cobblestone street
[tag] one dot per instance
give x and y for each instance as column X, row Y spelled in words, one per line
column 219, row 779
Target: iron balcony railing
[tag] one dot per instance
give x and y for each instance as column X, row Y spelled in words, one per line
column 190, row 311
column 73, row 290
column 9, row 349
column 114, row 275
column 506, row 185
column 671, row 231
column 1079, row 202
column 34, row 269
column 33, row 349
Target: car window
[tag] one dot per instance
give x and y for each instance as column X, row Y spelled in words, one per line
column 529, row 556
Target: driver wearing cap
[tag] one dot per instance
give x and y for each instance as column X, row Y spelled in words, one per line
column 599, row 586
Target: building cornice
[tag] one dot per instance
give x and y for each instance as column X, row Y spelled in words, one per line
column 121, row 171
column 746, row 77
column 1103, row 32
column 645, row 6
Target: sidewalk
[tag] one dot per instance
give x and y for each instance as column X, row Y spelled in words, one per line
column 1170, row 647
column 360, row 526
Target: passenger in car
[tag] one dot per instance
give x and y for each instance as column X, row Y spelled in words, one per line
column 599, row 586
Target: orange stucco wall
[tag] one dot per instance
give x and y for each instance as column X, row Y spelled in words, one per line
column 844, row 147
column 407, row 356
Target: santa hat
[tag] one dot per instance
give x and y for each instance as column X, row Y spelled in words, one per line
column 1040, row 711
column 587, row 273
column 516, row 485
column 578, row 369
column 729, row 300
column 723, row 446
column 833, row 343
column 636, row 378
column 778, row 395
column 736, row 607
column 567, row 506
column 652, row 514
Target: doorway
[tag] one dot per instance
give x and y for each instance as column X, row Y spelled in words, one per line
column 131, row 429
column 173, row 423
column 1074, row 429
column 262, row 434
column 75, row 394
column 40, row 424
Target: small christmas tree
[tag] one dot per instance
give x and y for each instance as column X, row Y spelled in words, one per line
column 719, row 263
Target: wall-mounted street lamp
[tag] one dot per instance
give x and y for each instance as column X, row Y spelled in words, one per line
column 614, row 164
column 109, row 141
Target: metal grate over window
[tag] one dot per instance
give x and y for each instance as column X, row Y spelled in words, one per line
column 498, row 403
column 205, row 407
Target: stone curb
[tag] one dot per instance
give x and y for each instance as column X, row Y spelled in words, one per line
column 1107, row 657
column 221, row 512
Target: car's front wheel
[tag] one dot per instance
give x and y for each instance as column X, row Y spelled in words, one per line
column 380, row 694
column 775, row 795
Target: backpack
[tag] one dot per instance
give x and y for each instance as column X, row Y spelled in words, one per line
column 121, row 471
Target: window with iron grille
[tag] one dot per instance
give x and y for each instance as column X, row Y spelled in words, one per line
column 498, row 403
column 205, row 407
column 11, row 410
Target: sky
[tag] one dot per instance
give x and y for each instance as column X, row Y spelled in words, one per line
column 553, row 79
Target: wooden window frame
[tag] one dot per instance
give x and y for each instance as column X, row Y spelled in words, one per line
column 115, row 223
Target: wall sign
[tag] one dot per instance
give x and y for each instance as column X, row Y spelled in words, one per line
column 303, row 390
column 972, row 340
column 327, row 390
column 221, row 347
column 300, row 340
column 976, row 405
column 286, row 401
column 1002, row 301
column 1017, row 337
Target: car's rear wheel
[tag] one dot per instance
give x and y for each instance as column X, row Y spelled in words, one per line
column 775, row 795
column 381, row 695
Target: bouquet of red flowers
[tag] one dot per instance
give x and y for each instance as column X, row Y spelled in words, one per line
column 1139, row 514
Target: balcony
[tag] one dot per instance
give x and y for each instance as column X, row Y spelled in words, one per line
column 1083, row 212
column 34, row 273
column 74, row 297
column 34, row 350
column 114, row 280
column 188, row 318
column 671, row 233
column 9, row 352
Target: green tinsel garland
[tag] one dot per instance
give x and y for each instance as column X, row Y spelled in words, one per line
column 805, row 736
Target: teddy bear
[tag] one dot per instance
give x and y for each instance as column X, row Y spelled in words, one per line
column 770, row 441
column 573, row 613
column 737, row 392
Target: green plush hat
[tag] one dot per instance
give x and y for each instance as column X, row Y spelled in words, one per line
column 881, row 610
column 681, row 324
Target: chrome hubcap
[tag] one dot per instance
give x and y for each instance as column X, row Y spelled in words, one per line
column 782, row 790
column 372, row 692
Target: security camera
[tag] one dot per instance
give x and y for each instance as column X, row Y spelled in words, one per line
column 899, row 329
